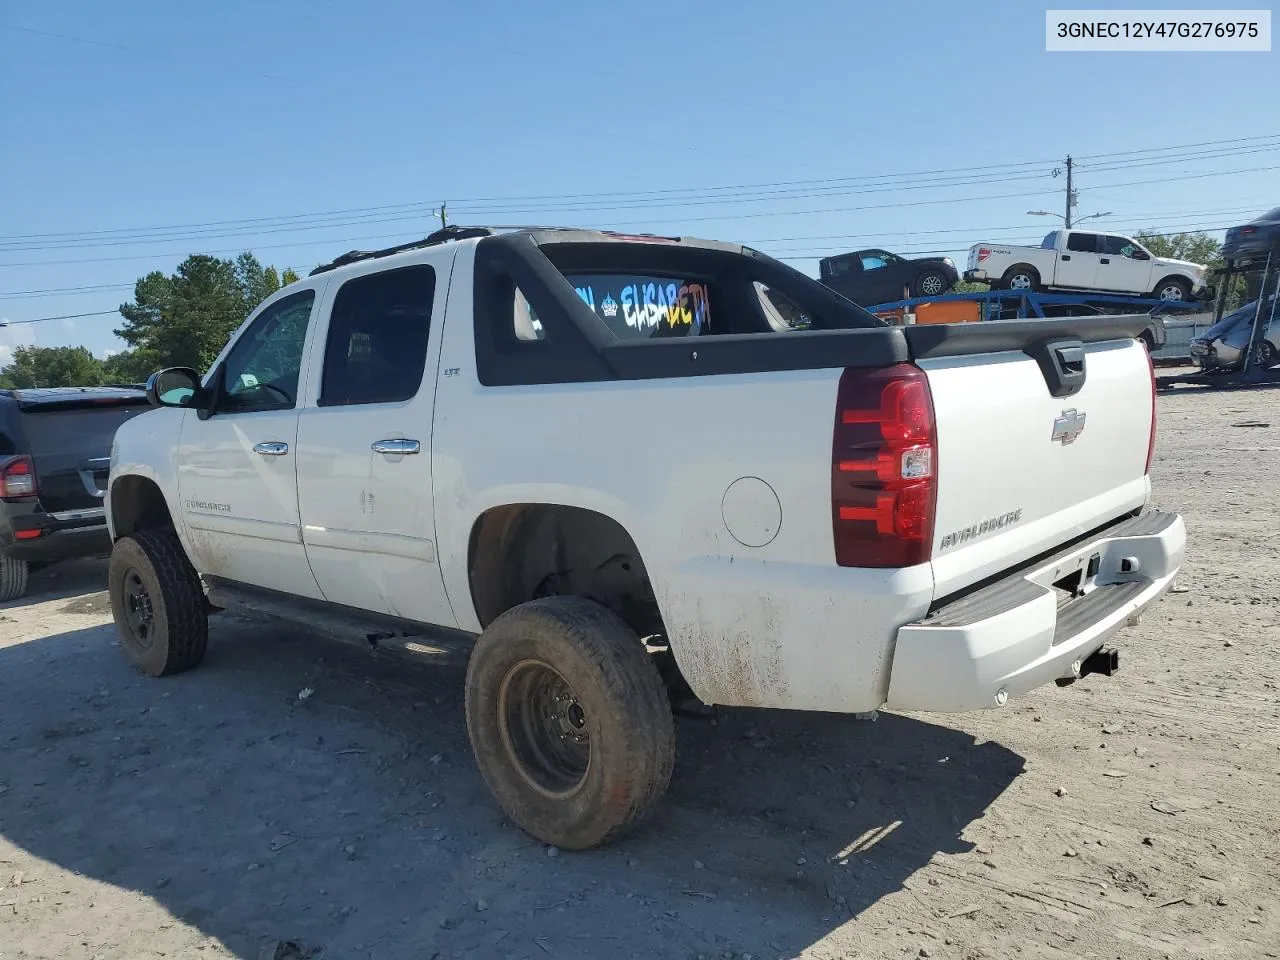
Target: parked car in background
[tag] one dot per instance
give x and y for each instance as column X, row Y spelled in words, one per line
column 1223, row 346
column 869, row 277
column 55, row 447
column 1080, row 260
column 1253, row 239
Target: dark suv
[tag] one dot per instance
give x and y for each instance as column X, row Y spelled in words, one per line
column 55, row 449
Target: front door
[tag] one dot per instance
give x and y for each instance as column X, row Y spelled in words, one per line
column 1121, row 268
column 1078, row 264
column 237, row 484
column 365, row 446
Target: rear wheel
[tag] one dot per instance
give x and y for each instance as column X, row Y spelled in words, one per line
column 569, row 721
column 157, row 603
column 1173, row 288
column 1021, row 277
column 931, row 283
column 13, row 578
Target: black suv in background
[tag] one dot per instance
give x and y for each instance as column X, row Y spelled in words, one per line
column 55, row 449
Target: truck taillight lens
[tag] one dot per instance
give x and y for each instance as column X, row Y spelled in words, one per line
column 1151, row 441
column 983, row 253
column 18, row 478
column 884, row 468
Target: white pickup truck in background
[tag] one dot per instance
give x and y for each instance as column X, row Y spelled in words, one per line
column 1081, row 260
column 605, row 463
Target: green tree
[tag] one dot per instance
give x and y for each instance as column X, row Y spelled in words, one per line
column 51, row 367
column 129, row 367
column 185, row 318
column 1196, row 247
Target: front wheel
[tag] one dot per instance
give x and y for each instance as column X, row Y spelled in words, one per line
column 931, row 283
column 157, row 603
column 569, row 721
column 1265, row 356
column 1173, row 289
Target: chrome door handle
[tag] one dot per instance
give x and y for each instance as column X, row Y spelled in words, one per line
column 273, row 448
column 400, row 447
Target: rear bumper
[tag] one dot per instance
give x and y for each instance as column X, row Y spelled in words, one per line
column 1019, row 632
column 43, row 538
column 976, row 275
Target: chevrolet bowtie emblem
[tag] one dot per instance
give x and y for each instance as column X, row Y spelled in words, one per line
column 1068, row 426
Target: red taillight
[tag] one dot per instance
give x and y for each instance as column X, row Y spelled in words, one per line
column 884, row 468
column 1151, row 442
column 983, row 253
column 18, row 478
column 28, row 534
column 1248, row 229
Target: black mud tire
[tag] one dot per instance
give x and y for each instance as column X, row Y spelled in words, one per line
column 570, row 795
column 13, row 578
column 1021, row 276
column 1164, row 290
column 157, row 603
column 930, row 283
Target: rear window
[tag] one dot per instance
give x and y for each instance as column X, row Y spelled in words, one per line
column 85, row 434
column 640, row 305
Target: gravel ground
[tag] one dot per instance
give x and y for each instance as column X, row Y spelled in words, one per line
column 223, row 813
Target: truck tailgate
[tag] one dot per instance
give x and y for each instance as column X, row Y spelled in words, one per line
column 1021, row 471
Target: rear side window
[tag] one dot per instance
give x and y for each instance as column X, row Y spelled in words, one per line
column 1082, row 243
column 377, row 344
column 639, row 306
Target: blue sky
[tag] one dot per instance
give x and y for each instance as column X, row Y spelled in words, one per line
column 134, row 116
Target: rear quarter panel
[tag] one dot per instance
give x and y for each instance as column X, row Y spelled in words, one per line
column 771, row 625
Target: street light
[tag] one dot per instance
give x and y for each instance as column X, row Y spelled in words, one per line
column 1050, row 213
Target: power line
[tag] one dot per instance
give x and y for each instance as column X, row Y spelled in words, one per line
column 647, row 197
column 68, row 316
column 668, row 220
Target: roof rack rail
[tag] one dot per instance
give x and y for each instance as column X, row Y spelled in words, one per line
column 443, row 235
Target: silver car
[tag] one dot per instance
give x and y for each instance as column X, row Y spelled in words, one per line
column 1223, row 345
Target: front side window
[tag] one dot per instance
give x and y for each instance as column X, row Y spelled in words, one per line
column 377, row 344
column 1121, row 247
column 1050, row 240
column 262, row 369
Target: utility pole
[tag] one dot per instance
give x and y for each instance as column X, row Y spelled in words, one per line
column 443, row 220
column 1070, row 197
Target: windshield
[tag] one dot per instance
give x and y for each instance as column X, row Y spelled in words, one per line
column 1235, row 319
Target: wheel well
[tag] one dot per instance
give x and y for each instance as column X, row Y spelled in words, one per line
column 137, row 504
column 1175, row 277
column 525, row 551
column 1022, row 266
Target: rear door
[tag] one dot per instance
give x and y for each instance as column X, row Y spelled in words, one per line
column 1078, row 264
column 364, row 444
column 70, row 444
column 1021, row 471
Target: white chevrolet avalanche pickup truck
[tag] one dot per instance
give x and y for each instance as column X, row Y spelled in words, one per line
column 1080, row 260
column 608, row 466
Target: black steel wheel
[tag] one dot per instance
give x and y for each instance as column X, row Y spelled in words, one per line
column 157, row 603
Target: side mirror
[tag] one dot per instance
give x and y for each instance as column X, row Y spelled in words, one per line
column 174, row 387
column 1141, row 255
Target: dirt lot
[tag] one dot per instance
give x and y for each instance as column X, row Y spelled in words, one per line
column 217, row 814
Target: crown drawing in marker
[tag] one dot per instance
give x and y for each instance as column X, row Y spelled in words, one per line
column 609, row 306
